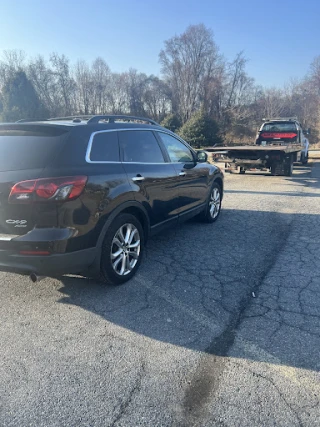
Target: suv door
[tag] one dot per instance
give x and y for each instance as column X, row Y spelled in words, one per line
column 153, row 179
column 193, row 176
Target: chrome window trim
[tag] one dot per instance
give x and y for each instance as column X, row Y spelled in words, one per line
column 180, row 140
column 174, row 136
column 145, row 163
column 89, row 147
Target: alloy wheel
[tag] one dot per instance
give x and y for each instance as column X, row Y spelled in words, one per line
column 214, row 203
column 125, row 249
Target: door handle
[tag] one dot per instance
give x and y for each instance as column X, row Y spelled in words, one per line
column 138, row 178
column 182, row 174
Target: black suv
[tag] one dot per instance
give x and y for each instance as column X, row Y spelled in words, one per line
column 82, row 195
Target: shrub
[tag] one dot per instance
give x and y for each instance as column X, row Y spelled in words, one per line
column 201, row 131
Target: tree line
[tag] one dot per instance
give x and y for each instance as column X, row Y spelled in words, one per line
column 200, row 94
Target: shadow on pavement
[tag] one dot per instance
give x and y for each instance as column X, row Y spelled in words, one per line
column 204, row 286
column 302, row 175
column 270, row 193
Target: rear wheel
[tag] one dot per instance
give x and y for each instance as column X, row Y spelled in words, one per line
column 273, row 169
column 242, row 170
column 121, row 250
column 213, row 207
column 288, row 167
column 304, row 158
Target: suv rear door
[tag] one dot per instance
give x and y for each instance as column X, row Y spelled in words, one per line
column 153, row 179
column 25, row 150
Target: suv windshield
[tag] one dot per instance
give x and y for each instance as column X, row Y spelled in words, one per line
column 29, row 147
column 279, row 127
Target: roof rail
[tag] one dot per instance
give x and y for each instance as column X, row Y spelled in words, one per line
column 112, row 118
column 79, row 117
column 94, row 119
column 55, row 118
column 30, row 120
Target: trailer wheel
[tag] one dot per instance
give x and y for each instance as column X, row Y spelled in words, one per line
column 242, row 170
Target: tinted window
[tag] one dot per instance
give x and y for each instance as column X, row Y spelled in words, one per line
column 177, row 151
column 280, row 127
column 105, row 147
column 29, row 147
column 140, row 146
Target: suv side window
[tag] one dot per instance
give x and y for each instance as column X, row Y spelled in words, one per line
column 105, row 147
column 177, row 151
column 139, row 146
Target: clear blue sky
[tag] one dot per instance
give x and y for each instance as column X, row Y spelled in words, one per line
column 279, row 37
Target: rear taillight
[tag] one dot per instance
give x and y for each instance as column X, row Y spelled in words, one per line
column 38, row 253
column 278, row 135
column 48, row 189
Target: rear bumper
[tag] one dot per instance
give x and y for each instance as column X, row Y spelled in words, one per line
column 49, row 265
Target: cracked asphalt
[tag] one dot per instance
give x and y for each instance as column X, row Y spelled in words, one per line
column 221, row 326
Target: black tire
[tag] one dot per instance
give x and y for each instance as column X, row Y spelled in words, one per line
column 108, row 273
column 242, row 170
column 273, row 169
column 288, row 168
column 210, row 215
column 304, row 159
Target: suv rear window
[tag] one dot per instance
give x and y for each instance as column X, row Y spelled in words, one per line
column 29, row 147
column 279, row 127
column 105, row 147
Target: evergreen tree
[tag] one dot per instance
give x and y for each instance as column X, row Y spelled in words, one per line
column 200, row 131
column 19, row 100
column 171, row 122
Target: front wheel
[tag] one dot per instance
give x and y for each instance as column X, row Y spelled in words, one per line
column 121, row 250
column 213, row 208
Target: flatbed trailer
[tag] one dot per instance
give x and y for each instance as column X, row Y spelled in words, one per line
column 278, row 159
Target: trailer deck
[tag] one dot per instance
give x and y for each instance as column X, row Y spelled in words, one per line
column 284, row 148
column 278, row 158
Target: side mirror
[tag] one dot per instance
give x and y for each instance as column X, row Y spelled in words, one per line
column 202, row 157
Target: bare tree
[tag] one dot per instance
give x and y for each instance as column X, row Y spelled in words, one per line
column 194, row 77
column 238, row 82
column 314, row 74
column 156, row 98
column 136, row 84
column 212, row 98
column 84, row 81
column 272, row 103
column 43, row 79
column 11, row 62
column 65, row 85
column 187, row 61
column 306, row 99
column 101, row 81
column 117, row 94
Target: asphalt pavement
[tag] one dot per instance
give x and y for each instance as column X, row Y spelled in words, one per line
column 220, row 327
